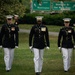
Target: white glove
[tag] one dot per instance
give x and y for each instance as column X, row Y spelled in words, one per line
column 16, row 46
column 59, row 48
column 0, row 46
column 47, row 47
column 30, row 47
column 74, row 46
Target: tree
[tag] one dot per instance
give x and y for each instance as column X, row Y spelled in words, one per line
column 11, row 7
column 20, row 1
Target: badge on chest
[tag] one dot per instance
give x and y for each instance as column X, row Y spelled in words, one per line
column 69, row 31
column 43, row 29
column 16, row 23
column 12, row 28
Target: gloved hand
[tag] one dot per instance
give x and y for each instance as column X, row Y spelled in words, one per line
column 59, row 48
column 47, row 47
column 31, row 48
column 16, row 46
column 74, row 46
column 1, row 46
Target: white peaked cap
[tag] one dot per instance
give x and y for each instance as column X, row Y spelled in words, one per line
column 67, row 19
column 9, row 16
column 39, row 17
column 16, row 15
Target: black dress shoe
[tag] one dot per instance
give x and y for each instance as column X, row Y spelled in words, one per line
column 37, row 73
column 7, row 70
column 65, row 71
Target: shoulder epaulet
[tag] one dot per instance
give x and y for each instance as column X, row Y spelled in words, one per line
column 33, row 26
column 4, row 25
column 44, row 25
column 61, row 27
column 72, row 27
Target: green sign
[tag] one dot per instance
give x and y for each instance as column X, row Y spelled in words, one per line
column 41, row 4
column 63, row 5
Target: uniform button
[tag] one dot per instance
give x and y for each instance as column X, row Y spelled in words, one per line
column 39, row 36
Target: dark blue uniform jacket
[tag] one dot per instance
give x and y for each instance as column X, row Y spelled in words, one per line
column 38, row 37
column 66, row 38
column 9, row 36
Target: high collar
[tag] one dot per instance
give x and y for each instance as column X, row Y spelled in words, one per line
column 66, row 27
column 39, row 24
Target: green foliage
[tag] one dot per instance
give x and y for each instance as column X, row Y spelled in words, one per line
column 54, row 19
column 26, row 3
column 20, row 1
column 11, row 7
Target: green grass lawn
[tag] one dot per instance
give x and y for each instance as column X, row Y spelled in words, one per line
column 23, row 60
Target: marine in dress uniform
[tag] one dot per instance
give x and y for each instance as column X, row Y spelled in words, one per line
column 66, row 40
column 16, row 18
column 38, row 40
column 9, row 40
